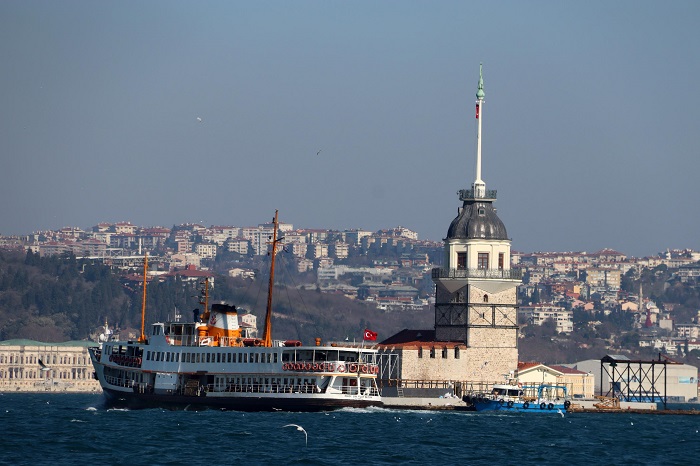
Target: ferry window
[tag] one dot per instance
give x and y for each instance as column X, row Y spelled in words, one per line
column 420, row 351
column 229, row 357
column 197, row 361
column 444, row 353
column 274, row 358
column 269, row 358
column 432, row 352
column 456, row 352
column 208, row 357
column 218, row 357
column 240, row 358
column 256, row 357
column 177, row 357
column 285, row 358
column 245, row 357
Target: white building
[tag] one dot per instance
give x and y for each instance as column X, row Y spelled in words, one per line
column 66, row 367
column 205, row 250
column 238, row 245
column 563, row 318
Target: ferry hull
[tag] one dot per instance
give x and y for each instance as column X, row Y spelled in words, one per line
column 251, row 403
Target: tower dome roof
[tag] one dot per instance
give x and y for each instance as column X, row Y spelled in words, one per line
column 477, row 220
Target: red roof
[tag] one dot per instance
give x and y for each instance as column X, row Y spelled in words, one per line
column 415, row 338
column 567, row 370
column 527, row 365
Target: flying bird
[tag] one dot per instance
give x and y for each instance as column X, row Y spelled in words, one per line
column 199, row 119
column 559, row 411
column 43, row 366
column 306, row 436
column 319, row 151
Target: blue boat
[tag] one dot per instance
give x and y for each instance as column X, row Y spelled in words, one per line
column 544, row 398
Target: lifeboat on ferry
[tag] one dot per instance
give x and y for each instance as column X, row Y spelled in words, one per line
column 252, row 342
column 292, row 343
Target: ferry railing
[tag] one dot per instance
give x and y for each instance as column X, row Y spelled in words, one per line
column 182, row 340
column 307, row 389
column 195, row 340
column 118, row 381
column 263, row 388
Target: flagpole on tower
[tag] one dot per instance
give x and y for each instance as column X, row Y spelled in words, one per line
column 479, row 186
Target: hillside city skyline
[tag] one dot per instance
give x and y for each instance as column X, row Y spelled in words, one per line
column 413, row 232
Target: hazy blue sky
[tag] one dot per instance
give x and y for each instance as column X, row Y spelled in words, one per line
column 591, row 120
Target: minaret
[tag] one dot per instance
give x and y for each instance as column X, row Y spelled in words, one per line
column 475, row 291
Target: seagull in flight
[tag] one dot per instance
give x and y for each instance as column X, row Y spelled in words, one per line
column 199, row 119
column 306, row 436
column 319, row 151
column 559, row 411
column 44, row 368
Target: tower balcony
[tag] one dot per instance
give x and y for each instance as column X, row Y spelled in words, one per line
column 471, row 195
column 498, row 274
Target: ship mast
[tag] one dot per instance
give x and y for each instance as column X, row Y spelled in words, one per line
column 267, row 333
column 142, row 338
column 204, row 299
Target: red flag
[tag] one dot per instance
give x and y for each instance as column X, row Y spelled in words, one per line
column 370, row 335
column 477, row 111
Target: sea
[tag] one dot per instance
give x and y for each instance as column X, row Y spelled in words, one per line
column 77, row 429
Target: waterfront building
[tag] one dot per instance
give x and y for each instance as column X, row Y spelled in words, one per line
column 578, row 383
column 32, row 366
column 476, row 330
column 677, row 381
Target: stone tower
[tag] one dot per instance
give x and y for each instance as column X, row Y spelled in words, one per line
column 476, row 299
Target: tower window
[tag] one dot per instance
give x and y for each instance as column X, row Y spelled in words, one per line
column 456, row 352
column 432, row 352
column 486, row 298
column 420, row 351
column 461, row 260
column 483, row 263
column 501, row 258
column 444, row 353
column 482, row 211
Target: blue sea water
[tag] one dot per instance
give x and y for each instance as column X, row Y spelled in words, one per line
column 65, row 429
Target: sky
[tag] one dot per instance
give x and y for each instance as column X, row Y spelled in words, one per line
column 166, row 112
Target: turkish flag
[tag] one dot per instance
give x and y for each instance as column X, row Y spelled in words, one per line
column 477, row 111
column 370, row 335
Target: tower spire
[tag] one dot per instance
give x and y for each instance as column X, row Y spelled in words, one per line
column 479, row 186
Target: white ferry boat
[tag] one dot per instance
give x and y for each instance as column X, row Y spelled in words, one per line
column 210, row 364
